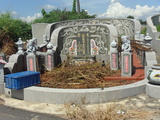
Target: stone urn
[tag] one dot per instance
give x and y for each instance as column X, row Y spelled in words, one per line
column 153, row 74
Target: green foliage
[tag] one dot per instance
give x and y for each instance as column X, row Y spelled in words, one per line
column 62, row 15
column 74, row 6
column 14, row 28
column 158, row 28
column 144, row 30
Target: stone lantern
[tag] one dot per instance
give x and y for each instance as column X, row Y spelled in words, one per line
column 20, row 44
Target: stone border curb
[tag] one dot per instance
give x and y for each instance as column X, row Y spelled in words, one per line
column 77, row 96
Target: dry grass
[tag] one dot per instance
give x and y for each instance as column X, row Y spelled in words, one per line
column 89, row 75
column 7, row 45
column 108, row 112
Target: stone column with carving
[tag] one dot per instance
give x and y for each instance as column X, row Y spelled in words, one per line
column 49, row 59
column 126, row 58
column 31, row 57
column 114, row 56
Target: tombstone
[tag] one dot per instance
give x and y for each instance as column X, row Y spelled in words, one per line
column 114, row 56
column 20, row 45
column 49, row 61
column 126, row 59
column 84, row 46
column 31, row 57
column 2, row 63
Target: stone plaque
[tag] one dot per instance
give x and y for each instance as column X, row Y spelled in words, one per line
column 31, row 64
column 114, row 61
column 126, row 68
column 126, row 64
column 49, row 61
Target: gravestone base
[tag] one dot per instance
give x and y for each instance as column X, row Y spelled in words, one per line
column 126, row 63
column 63, row 58
column 102, row 57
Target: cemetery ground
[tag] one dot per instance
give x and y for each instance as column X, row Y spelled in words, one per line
column 140, row 107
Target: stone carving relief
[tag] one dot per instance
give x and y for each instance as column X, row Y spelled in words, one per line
column 124, row 26
column 84, row 40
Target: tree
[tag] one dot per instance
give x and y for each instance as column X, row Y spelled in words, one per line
column 43, row 12
column 14, row 28
column 142, row 22
column 62, row 15
column 74, row 6
column 130, row 16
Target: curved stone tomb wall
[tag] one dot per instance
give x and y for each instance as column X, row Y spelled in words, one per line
column 124, row 26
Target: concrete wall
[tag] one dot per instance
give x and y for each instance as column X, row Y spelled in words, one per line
column 38, row 30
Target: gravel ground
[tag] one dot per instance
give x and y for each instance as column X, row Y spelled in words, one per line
column 140, row 103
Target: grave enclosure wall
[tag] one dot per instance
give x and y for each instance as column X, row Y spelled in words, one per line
column 105, row 30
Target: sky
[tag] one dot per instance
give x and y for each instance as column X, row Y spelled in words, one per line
column 28, row 10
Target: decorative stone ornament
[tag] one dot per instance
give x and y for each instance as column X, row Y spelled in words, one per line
column 153, row 74
column 126, row 46
column 31, row 45
column 147, row 38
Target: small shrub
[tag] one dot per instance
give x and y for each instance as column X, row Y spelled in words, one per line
column 144, row 30
column 158, row 28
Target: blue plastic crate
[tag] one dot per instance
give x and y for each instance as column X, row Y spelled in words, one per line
column 22, row 80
